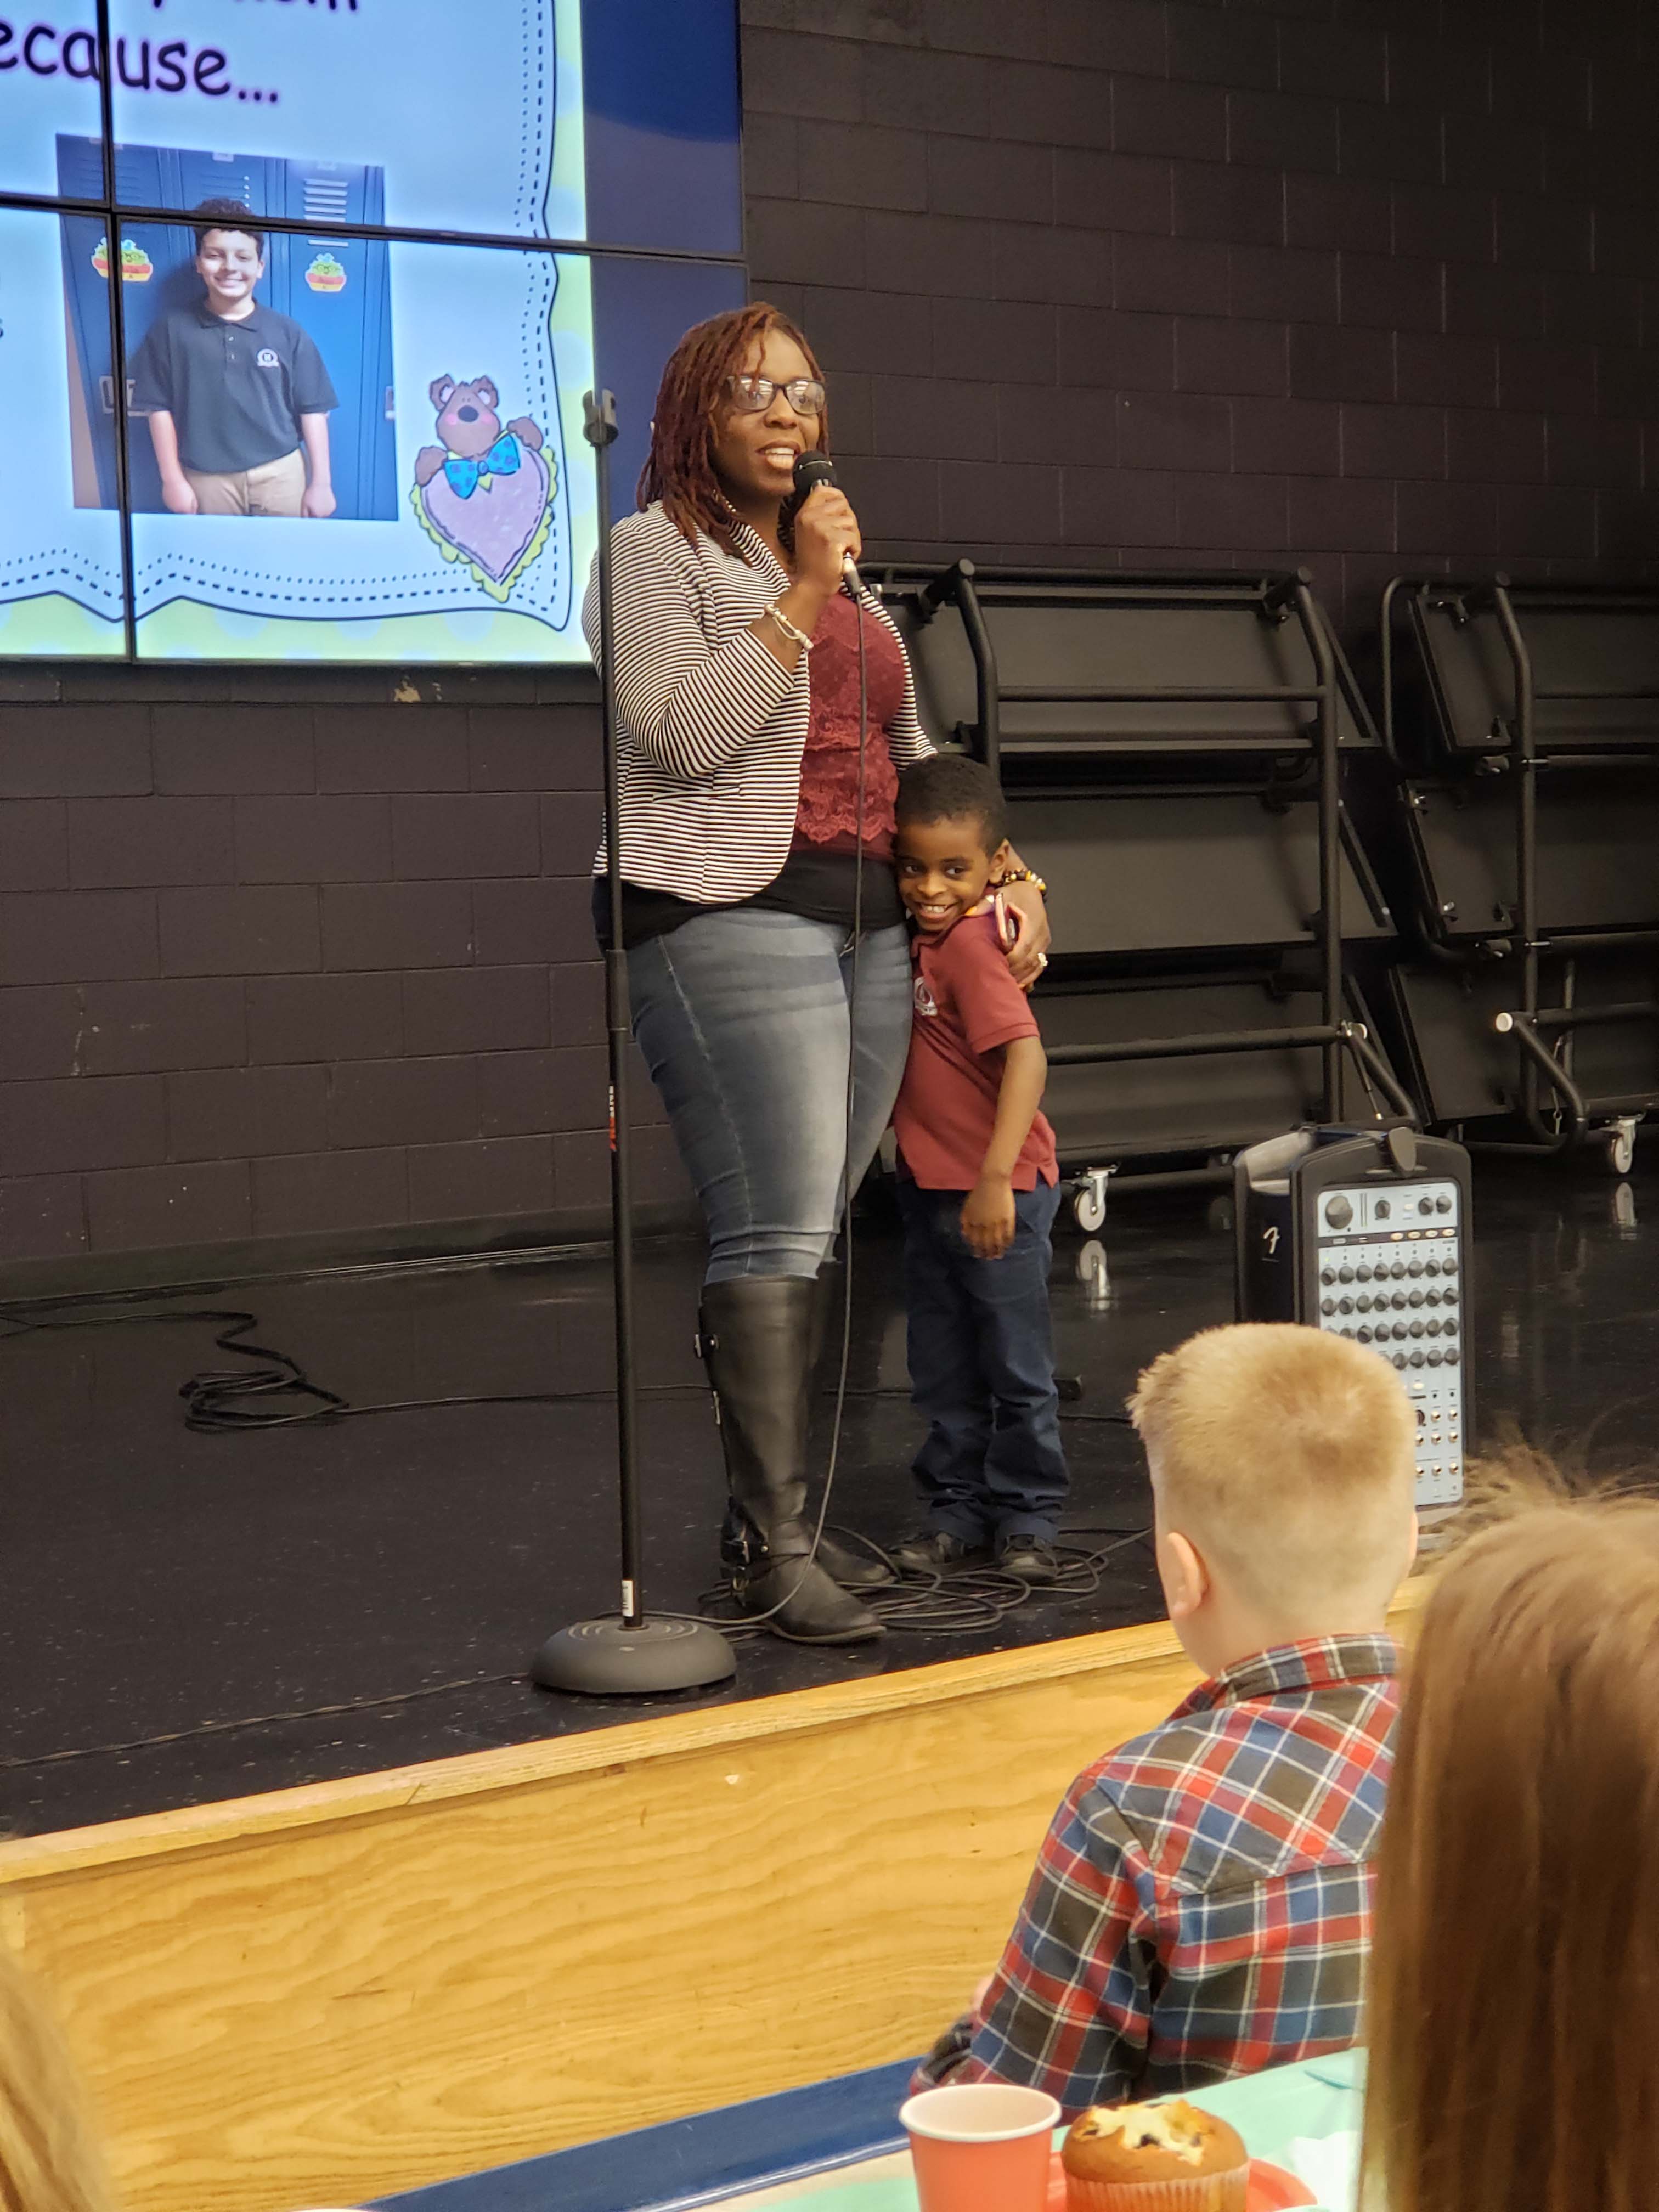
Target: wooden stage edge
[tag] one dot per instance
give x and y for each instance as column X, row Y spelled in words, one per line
column 330, row 1994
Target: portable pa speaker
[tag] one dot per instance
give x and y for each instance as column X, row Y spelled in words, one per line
column 1366, row 1234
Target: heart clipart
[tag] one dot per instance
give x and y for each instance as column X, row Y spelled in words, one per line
column 485, row 495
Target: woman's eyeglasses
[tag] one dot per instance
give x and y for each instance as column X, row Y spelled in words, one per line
column 753, row 395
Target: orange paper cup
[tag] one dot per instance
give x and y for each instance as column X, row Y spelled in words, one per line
column 984, row 2146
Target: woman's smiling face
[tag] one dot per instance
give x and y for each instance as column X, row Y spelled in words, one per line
column 754, row 453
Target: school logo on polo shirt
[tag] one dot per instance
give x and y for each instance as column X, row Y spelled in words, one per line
column 268, row 358
column 925, row 1002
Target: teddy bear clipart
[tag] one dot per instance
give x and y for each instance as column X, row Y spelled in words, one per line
column 485, row 495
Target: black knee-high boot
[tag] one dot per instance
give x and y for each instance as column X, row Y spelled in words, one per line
column 755, row 1336
column 853, row 1570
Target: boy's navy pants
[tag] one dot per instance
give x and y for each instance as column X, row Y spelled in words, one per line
column 983, row 1369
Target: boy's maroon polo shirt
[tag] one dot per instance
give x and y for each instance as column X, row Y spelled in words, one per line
column 967, row 1005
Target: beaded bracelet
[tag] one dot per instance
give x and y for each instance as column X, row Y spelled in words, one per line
column 795, row 637
column 1022, row 876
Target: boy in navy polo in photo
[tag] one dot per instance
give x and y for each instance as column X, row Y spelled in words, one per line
column 978, row 1191
column 237, row 397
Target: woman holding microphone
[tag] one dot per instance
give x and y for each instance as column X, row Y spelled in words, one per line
column 742, row 837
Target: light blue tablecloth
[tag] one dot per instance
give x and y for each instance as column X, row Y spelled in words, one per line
column 1314, row 2101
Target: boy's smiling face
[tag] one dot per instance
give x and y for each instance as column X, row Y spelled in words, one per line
column 943, row 869
column 230, row 264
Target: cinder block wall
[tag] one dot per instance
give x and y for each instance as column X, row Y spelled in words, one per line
column 1369, row 284
column 284, row 980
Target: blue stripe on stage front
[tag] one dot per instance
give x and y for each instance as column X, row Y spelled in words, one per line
column 689, row 2161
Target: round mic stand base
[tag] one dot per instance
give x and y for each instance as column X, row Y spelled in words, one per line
column 610, row 1658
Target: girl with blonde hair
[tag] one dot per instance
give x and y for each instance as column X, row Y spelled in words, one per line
column 1515, row 1975
column 50, row 2160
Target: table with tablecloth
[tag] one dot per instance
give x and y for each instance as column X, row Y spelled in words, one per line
column 1304, row 2117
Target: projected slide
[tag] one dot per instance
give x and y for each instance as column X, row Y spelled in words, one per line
column 460, row 538
column 341, row 445
column 61, row 585
column 473, row 115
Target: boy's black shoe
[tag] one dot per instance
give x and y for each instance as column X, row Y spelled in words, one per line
column 1031, row 1559
column 933, row 1551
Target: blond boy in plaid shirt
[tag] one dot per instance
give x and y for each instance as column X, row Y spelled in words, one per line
column 1202, row 1904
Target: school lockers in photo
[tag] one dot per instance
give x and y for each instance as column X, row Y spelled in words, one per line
column 338, row 289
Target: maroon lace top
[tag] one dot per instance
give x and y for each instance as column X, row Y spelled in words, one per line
column 827, row 818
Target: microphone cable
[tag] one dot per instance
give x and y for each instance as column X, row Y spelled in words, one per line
column 968, row 1603
column 855, row 592
column 974, row 1599
column 278, row 1394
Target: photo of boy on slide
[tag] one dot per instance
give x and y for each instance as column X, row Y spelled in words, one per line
column 237, row 397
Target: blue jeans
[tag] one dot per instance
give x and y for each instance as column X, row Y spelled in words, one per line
column 744, row 1018
column 982, row 1370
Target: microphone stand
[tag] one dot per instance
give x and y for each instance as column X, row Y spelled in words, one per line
column 624, row 1654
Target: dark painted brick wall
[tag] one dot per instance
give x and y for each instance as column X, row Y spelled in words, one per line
column 289, row 972
column 1369, row 284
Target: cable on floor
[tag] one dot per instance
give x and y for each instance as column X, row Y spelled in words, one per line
column 233, row 1400
column 277, row 1393
column 280, row 1395
column 966, row 1602
column 257, row 1720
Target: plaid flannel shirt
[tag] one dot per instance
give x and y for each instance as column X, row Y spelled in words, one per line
column 1201, row 1905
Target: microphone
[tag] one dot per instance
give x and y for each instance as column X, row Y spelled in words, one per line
column 813, row 469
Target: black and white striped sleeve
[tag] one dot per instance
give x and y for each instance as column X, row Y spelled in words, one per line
column 907, row 741
column 686, row 702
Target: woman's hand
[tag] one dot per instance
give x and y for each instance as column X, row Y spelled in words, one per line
column 1027, row 955
column 826, row 529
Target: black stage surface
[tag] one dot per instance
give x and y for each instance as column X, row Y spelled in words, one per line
column 189, row 1616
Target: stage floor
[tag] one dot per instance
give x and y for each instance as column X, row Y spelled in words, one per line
column 189, row 1618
